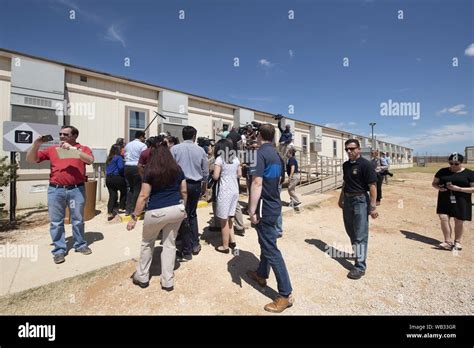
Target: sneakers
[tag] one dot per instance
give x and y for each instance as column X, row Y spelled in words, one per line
column 456, row 246
column 84, row 250
column 355, row 274
column 254, row 276
column 279, row 304
column 138, row 283
column 183, row 257
column 59, row 258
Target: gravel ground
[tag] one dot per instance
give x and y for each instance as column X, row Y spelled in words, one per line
column 406, row 274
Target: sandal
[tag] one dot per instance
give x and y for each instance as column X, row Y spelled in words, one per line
column 445, row 245
column 457, row 245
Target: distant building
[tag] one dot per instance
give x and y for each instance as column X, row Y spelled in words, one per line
column 105, row 107
column 469, row 154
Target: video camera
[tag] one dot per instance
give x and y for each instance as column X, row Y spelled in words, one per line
column 205, row 141
column 278, row 117
column 254, row 126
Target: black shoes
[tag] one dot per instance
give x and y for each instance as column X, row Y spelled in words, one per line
column 232, row 245
column 59, row 258
column 355, row 274
column 197, row 249
column 224, row 251
column 169, row 288
column 140, row 284
column 183, row 257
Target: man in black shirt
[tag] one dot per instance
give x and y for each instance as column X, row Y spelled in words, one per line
column 359, row 177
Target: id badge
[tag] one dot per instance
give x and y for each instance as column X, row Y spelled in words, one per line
column 452, row 197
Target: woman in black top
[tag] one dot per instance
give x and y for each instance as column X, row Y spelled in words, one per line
column 455, row 185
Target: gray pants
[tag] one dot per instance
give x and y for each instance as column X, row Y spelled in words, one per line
column 292, row 187
column 169, row 220
column 238, row 218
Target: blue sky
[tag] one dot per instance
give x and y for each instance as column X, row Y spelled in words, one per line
column 282, row 61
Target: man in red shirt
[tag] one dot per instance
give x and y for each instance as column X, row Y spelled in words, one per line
column 66, row 188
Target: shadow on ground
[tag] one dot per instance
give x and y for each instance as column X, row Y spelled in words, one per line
column 331, row 251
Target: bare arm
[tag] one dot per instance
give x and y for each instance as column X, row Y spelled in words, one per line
column 341, row 197
column 435, row 184
column 217, row 172
column 184, row 191
column 32, row 154
column 239, row 172
column 256, row 192
column 373, row 196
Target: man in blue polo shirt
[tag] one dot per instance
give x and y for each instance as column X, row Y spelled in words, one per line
column 264, row 210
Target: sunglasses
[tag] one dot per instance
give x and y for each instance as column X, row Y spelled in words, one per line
column 454, row 163
column 65, row 134
column 351, row 148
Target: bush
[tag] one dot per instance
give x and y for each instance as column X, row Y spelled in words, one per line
column 7, row 173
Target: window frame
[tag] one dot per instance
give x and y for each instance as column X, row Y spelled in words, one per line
column 127, row 122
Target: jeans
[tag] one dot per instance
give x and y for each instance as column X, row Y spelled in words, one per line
column 279, row 224
column 191, row 236
column 270, row 255
column 58, row 200
column 356, row 222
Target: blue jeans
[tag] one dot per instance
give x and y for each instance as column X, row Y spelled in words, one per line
column 356, row 222
column 58, row 200
column 279, row 224
column 270, row 255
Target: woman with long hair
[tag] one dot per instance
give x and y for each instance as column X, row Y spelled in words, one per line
column 115, row 181
column 455, row 185
column 164, row 186
column 226, row 173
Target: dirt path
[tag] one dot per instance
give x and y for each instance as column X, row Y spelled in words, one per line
column 405, row 275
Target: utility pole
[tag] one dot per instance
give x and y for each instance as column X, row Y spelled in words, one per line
column 372, row 124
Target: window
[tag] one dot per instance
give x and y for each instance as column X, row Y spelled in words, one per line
column 304, row 143
column 334, row 148
column 137, row 119
column 83, row 78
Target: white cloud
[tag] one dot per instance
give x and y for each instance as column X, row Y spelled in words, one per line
column 291, row 53
column 112, row 31
column 456, row 109
column 264, row 63
column 469, row 50
column 443, row 135
column 114, row 34
column 352, row 123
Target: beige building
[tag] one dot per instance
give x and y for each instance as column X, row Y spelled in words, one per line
column 105, row 107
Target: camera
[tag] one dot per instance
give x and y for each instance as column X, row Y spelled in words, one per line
column 205, row 141
column 278, row 117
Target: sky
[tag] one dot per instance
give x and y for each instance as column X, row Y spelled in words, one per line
column 408, row 66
